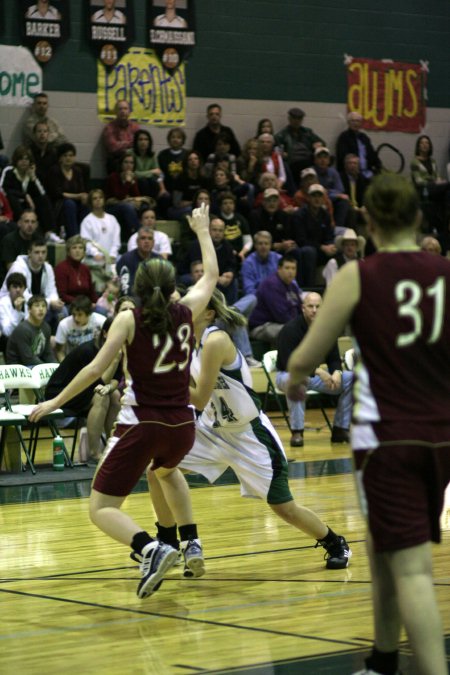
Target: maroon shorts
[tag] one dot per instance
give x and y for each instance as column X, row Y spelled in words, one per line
column 163, row 436
column 404, row 487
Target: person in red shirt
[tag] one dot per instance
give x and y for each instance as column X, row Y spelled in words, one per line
column 73, row 277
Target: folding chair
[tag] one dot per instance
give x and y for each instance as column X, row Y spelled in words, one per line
column 17, row 376
column 41, row 375
column 269, row 366
column 8, row 418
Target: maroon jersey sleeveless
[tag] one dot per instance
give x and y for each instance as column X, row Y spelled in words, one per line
column 157, row 367
column 402, row 328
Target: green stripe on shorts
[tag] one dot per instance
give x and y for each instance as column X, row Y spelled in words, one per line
column 279, row 492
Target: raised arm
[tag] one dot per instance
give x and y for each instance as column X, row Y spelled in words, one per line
column 199, row 295
column 340, row 299
column 120, row 331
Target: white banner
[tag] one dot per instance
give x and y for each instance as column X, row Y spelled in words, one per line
column 20, row 76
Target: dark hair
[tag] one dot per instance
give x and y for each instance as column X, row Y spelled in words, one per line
column 392, row 201
column 288, row 257
column 36, row 240
column 143, row 132
column 16, row 279
column 66, row 147
column 186, row 158
column 180, row 131
column 40, row 94
column 121, row 300
column 213, row 105
column 260, row 125
column 199, row 192
column 20, row 152
column 226, row 195
column 35, row 299
column 144, row 208
column 123, row 156
column 154, row 284
column 416, row 151
column 81, row 303
column 223, row 136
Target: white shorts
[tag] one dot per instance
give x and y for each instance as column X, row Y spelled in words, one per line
column 255, row 454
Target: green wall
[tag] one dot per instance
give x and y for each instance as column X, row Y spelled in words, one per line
column 276, row 49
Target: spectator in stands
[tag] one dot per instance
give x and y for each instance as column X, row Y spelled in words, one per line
column 100, row 402
column 355, row 142
column 29, row 343
column 312, row 230
column 349, row 246
column 123, row 197
column 297, row 143
column 237, row 231
column 224, row 181
column 67, row 190
column 7, row 223
column 106, row 304
column 355, row 186
column 330, row 179
column 129, row 262
column 269, row 180
column 309, row 177
column 272, row 160
column 148, row 173
column 12, row 307
column 260, row 264
column 102, row 234
column 44, row 152
column 202, row 196
column 72, row 276
column 221, row 157
column 431, row 245
column 161, row 242
column 430, row 185
column 205, row 139
column 326, row 381
column 23, row 188
column 81, row 326
column 4, row 161
column 118, row 135
column 40, row 279
column 39, row 113
column 191, row 180
column 171, row 159
column 264, row 126
column 227, row 282
column 250, row 164
column 16, row 242
column 278, row 301
column 269, row 216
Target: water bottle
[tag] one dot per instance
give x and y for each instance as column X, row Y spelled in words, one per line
column 58, row 454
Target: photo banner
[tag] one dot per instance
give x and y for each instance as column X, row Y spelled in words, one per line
column 390, row 95
column 44, row 26
column 171, row 30
column 155, row 96
column 110, row 28
column 20, row 76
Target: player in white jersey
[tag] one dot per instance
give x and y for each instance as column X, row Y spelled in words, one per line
column 232, row 431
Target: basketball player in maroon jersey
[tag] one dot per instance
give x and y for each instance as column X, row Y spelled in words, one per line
column 398, row 304
column 155, row 425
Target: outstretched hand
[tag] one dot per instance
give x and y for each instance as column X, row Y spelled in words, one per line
column 199, row 220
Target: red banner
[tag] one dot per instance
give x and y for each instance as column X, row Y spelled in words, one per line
column 389, row 95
